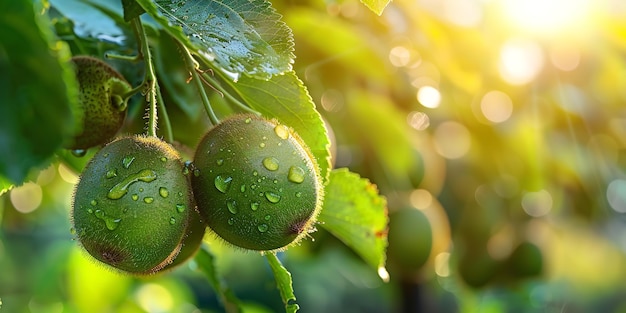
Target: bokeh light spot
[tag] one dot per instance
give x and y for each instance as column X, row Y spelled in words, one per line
column 537, row 203
column 565, row 59
column 421, row 198
column 67, row 174
column 399, row 56
column 616, row 195
column 418, row 120
column 154, row 298
column 496, row 106
column 429, row 96
column 442, row 264
column 521, row 61
column 26, row 198
column 452, row 140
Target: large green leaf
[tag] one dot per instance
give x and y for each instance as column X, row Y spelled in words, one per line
column 240, row 36
column 285, row 98
column 37, row 90
column 206, row 263
column 355, row 213
column 90, row 21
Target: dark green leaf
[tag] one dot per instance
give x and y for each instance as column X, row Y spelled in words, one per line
column 240, row 36
column 37, row 90
column 285, row 98
column 377, row 6
column 283, row 282
column 206, row 263
column 132, row 9
column 355, row 213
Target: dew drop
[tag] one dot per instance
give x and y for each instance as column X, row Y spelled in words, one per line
column 254, row 206
column 255, row 173
column 93, row 202
column 262, row 145
column 172, row 221
column 135, row 197
column 281, row 131
column 148, row 200
column 99, row 214
column 180, row 208
column 79, row 153
column 242, row 188
column 127, row 161
column 232, row 206
column 295, row 175
column 164, row 192
column 272, row 197
column 163, row 159
column 267, row 217
column 275, row 181
column 111, row 173
column 222, row 183
column 121, row 188
column 73, row 231
column 220, row 162
column 262, row 228
column 180, row 194
column 270, row 163
column 89, row 211
column 299, row 194
column 231, row 221
column 112, row 224
column 196, row 173
column 248, row 120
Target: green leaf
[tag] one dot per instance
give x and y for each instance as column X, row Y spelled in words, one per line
column 283, row 282
column 240, row 36
column 5, row 185
column 285, row 98
column 355, row 213
column 206, row 263
column 377, row 6
column 132, row 9
column 37, row 90
column 90, row 21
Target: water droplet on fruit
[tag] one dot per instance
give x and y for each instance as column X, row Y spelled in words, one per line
column 121, row 188
column 180, row 208
column 242, row 188
column 73, row 231
column 148, row 200
column 111, row 173
column 295, row 175
column 89, row 211
column 99, row 214
column 275, row 181
column 220, row 162
column 79, row 153
column 248, row 120
column 254, row 206
column 267, row 217
column 232, row 206
column 163, row 159
column 164, row 192
column 299, row 194
column 262, row 228
column 93, row 202
column 272, row 197
column 262, row 145
column 135, row 197
column 187, row 167
column 222, row 183
column 112, row 224
column 270, row 163
column 127, row 161
column 196, row 173
column 281, row 131
column 231, row 221
column 255, row 173
column 172, row 221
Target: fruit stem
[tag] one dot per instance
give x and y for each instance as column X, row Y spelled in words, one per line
column 283, row 282
column 149, row 81
column 229, row 96
column 169, row 135
column 192, row 66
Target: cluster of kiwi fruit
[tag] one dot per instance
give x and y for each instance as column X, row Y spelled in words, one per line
column 140, row 208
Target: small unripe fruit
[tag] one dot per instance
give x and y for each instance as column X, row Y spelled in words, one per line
column 103, row 110
column 410, row 239
column 257, row 185
column 133, row 208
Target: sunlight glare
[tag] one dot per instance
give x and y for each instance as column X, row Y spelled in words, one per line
column 452, row 140
column 496, row 106
column 429, row 96
column 26, row 198
column 537, row 203
column 546, row 17
column 616, row 195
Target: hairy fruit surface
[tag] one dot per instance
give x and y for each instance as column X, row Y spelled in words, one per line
column 133, row 208
column 257, row 185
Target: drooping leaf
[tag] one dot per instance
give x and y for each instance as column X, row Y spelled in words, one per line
column 377, row 6
column 285, row 98
column 355, row 213
column 37, row 90
column 90, row 21
column 283, row 282
column 240, row 36
column 206, row 263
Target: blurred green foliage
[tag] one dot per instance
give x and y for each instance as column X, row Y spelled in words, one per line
column 502, row 121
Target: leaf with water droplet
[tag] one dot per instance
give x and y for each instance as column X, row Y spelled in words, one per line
column 240, row 36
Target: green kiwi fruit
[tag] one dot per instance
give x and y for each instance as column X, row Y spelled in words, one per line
column 410, row 239
column 133, row 208
column 101, row 102
column 256, row 183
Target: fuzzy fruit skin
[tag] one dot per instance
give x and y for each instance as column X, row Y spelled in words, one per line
column 257, row 184
column 133, row 205
column 101, row 89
